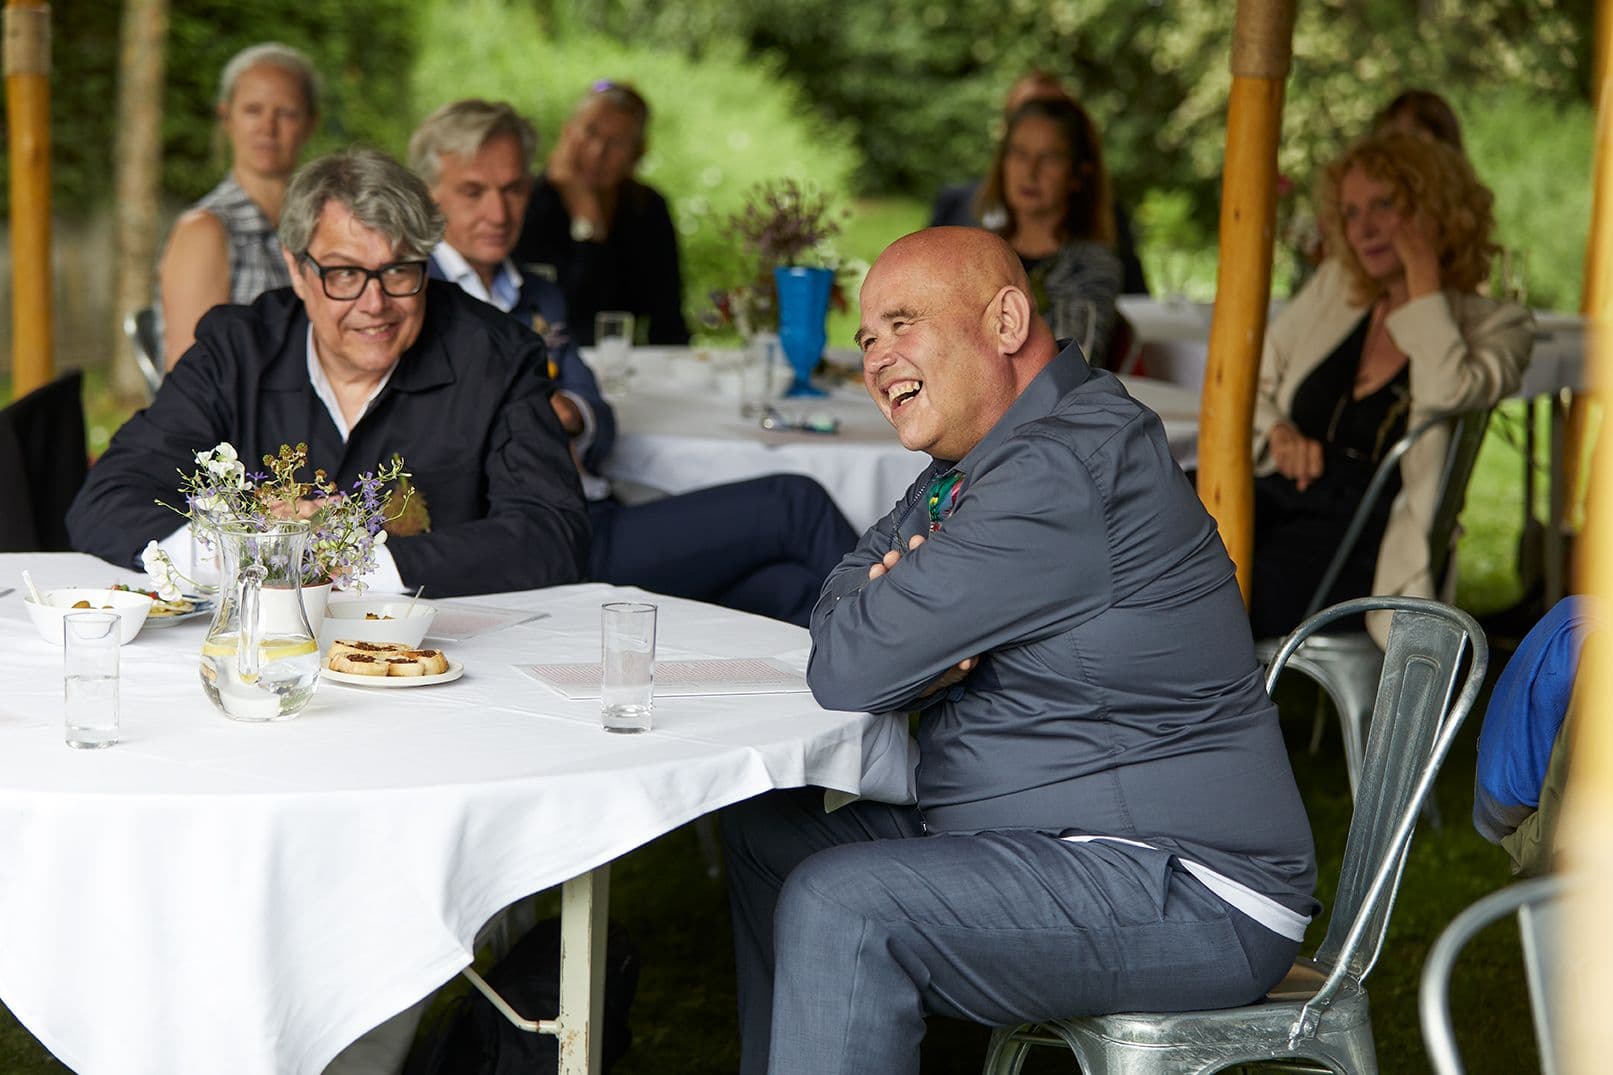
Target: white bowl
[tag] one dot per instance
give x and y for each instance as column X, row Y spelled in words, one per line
column 131, row 607
column 346, row 619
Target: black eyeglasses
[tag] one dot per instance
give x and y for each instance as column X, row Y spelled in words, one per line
column 344, row 283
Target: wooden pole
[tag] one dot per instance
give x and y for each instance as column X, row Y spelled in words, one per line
column 1261, row 49
column 139, row 163
column 1588, row 802
column 27, row 64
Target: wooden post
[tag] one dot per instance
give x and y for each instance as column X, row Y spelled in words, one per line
column 27, row 63
column 1261, row 49
column 1588, row 802
column 139, row 164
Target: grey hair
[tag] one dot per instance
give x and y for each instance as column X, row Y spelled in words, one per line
column 462, row 129
column 274, row 54
column 381, row 194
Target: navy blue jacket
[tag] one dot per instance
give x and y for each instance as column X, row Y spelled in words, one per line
column 467, row 407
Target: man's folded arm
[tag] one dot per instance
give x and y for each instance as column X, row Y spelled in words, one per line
column 1025, row 555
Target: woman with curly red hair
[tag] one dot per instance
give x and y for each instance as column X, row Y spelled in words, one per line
column 1389, row 330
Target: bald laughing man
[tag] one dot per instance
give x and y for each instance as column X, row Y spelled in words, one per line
column 1105, row 818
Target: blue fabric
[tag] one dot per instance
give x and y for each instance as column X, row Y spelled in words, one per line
column 1526, row 711
column 877, row 925
column 762, row 546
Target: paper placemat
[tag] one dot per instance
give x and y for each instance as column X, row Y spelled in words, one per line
column 461, row 623
column 676, row 679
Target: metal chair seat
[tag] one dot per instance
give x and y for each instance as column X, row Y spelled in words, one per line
column 1319, row 1012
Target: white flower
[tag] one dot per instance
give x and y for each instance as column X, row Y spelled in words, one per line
column 161, row 569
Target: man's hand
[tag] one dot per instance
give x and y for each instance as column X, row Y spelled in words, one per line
column 957, row 672
column 1298, row 458
column 565, row 410
column 892, row 558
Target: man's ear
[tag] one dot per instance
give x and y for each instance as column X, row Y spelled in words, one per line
column 297, row 282
column 1014, row 315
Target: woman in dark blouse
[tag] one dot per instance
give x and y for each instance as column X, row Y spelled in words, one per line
column 1389, row 330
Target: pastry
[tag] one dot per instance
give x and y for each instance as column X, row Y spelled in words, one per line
column 433, row 661
column 357, row 664
column 404, row 666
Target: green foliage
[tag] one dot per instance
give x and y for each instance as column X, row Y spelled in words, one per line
column 361, row 47
column 1535, row 154
column 719, row 124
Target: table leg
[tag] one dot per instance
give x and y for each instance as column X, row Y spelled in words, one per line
column 580, row 1025
column 584, row 910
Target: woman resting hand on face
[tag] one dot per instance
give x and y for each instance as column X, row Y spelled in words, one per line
column 224, row 248
column 1391, row 329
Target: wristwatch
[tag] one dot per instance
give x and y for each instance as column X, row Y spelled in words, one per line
column 582, row 229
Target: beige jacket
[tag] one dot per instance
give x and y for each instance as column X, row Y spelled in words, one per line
column 1465, row 351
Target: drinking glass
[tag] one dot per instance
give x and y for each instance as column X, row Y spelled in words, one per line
column 90, row 678
column 627, row 666
column 756, row 374
column 613, row 347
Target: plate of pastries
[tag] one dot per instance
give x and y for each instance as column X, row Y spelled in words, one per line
column 388, row 664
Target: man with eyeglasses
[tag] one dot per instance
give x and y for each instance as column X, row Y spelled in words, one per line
column 363, row 358
column 762, row 546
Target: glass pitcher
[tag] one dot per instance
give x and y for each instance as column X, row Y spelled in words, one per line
column 260, row 661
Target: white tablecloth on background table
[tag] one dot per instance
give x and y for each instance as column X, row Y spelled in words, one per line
column 1175, row 335
column 679, row 428
column 209, row 896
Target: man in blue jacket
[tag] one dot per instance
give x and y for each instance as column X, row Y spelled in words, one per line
column 363, row 357
column 763, row 545
column 1105, row 818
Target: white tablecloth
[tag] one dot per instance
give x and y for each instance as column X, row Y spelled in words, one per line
column 1175, row 335
column 209, row 896
column 679, row 428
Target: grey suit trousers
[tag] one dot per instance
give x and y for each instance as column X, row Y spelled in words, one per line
column 851, row 927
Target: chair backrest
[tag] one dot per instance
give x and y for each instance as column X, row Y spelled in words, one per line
column 1414, row 720
column 1461, row 453
column 46, row 429
column 1538, row 904
column 141, row 329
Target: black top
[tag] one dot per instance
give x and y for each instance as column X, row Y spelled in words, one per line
column 634, row 269
column 1354, row 432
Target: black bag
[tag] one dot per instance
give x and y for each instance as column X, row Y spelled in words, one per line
column 474, row 1038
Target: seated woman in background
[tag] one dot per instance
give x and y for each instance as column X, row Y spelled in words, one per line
column 1049, row 179
column 1421, row 112
column 607, row 238
column 224, row 248
column 1388, row 331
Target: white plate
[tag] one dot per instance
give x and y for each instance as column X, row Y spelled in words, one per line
column 347, row 679
column 204, row 607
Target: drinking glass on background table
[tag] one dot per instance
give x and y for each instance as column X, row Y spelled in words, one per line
column 613, row 347
column 90, row 678
column 757, row 375
column 627, row 665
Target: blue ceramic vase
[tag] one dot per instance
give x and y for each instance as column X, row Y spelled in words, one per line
column 803, row 304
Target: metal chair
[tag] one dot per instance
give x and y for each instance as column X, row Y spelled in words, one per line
column 1538, row 904
column 1319, row 1011
column 1346, row 665
column 141, row 329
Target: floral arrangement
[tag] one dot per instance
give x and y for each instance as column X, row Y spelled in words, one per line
column 782, row 223
column 344, row 528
